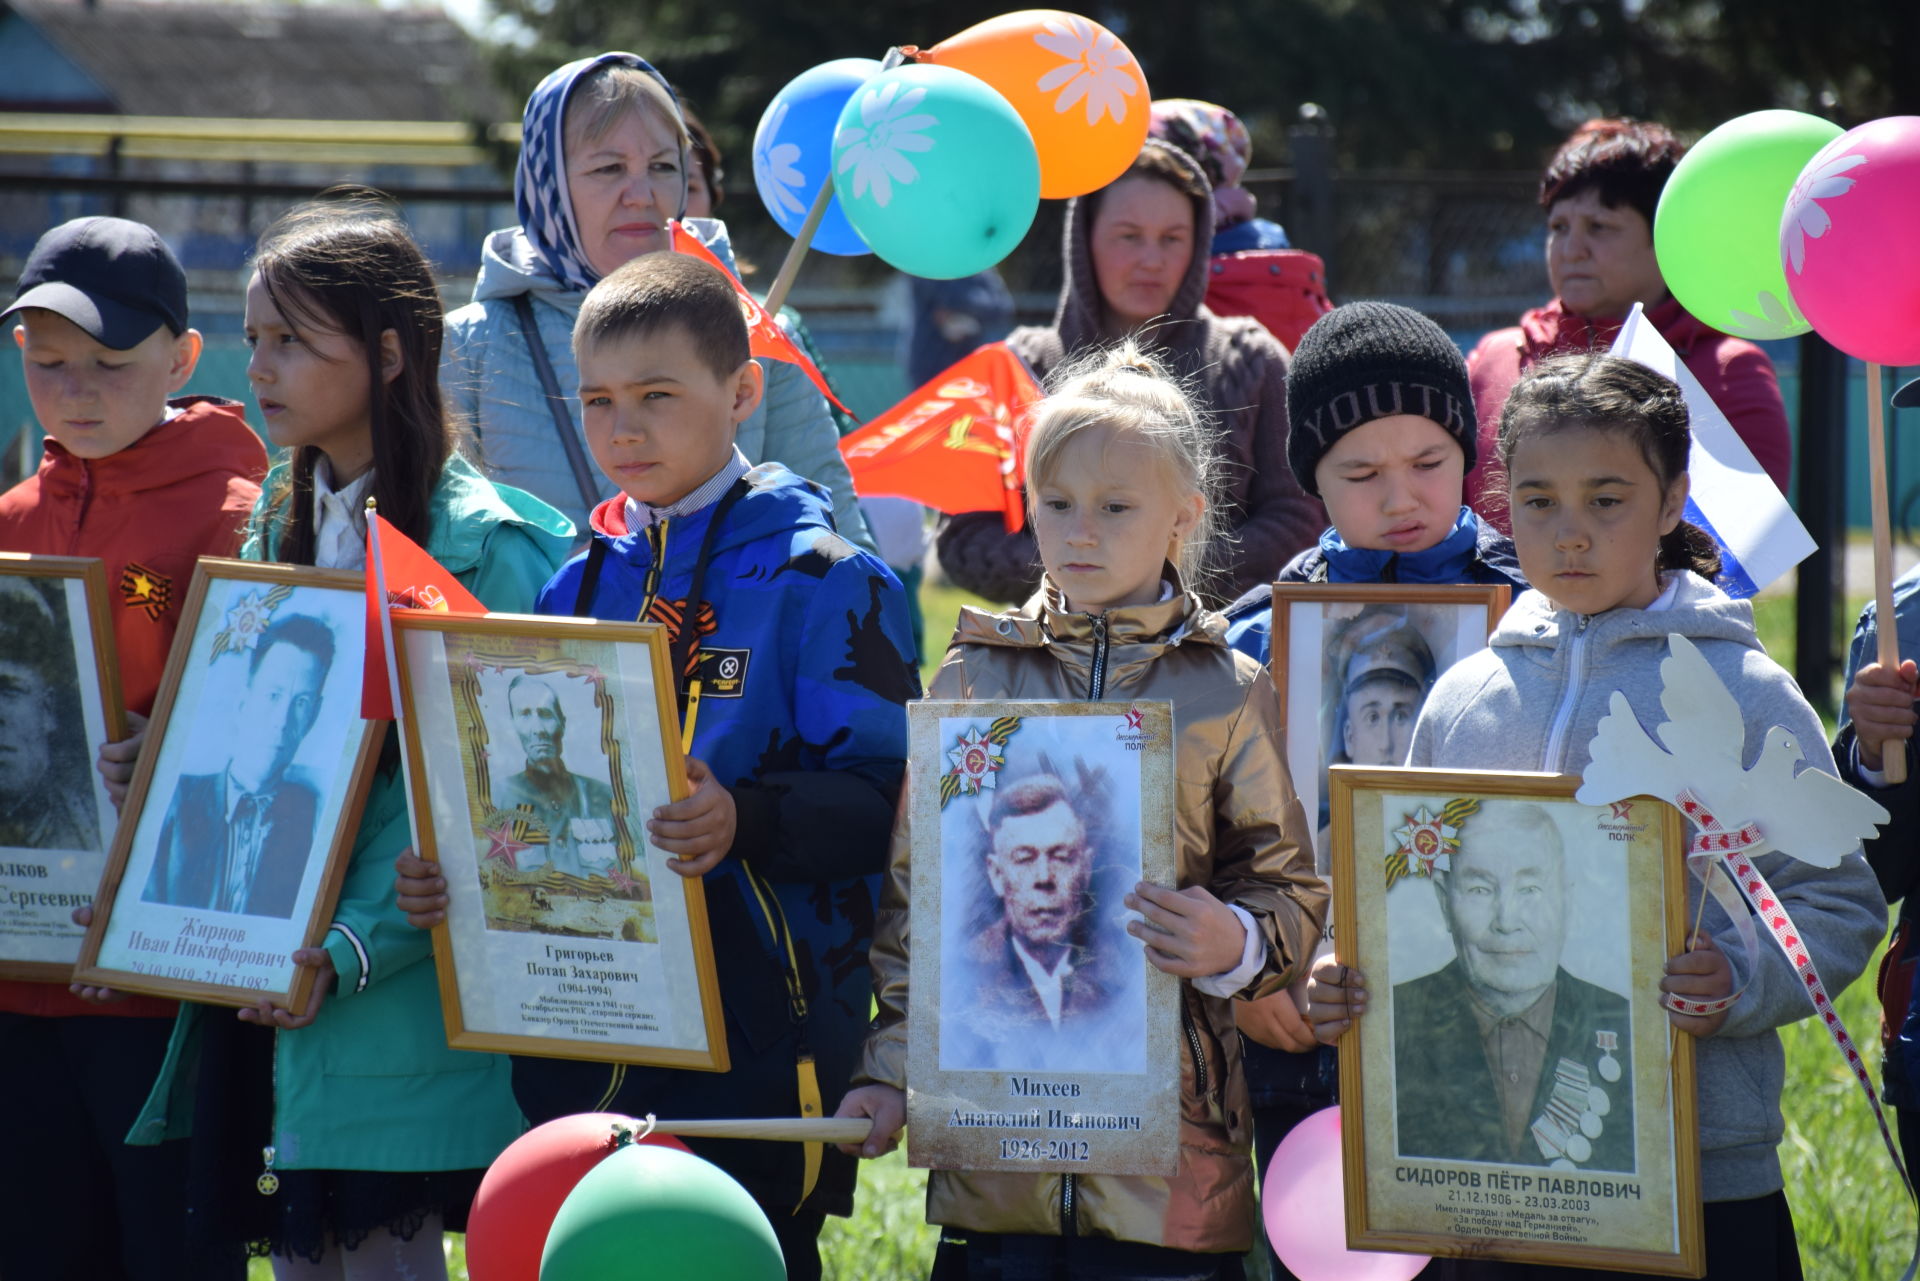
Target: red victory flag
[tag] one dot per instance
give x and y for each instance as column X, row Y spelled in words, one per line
column 400, row 575
column 765, row 338
column 951, row 444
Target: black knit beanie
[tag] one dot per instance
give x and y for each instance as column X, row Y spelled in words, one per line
column 1369, row 360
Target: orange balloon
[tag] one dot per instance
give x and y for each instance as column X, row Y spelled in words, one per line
column 1079, row 89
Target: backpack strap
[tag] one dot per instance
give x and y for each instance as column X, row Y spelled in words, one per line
column 556, row 402
column 589, row 576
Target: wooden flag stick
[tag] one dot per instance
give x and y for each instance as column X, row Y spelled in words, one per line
column 798, row 1129
column 790, row 266
column 1895, row 763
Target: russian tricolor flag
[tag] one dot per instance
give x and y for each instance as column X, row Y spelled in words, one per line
column 1732, row 499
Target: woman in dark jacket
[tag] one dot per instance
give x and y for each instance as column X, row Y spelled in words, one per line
column 1132, row 266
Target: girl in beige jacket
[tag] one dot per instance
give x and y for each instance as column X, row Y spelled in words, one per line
column 1118, row 471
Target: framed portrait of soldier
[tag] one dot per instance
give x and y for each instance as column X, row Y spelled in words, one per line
column 59, row 701
column 1514, row 1090
column 537, row 748
column 1355, row 661
column 1040, row 1039
column 241, row 817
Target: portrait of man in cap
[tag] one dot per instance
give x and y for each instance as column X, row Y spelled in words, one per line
column 1502, row 1055
column 239, row 839
column 1050, row 982
column 46, row 791
column 574, row 812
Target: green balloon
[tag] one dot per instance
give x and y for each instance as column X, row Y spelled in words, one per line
column 651, row 1212
column 1717, row 230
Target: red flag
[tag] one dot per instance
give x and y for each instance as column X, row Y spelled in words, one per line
column 951, row 443
column 401, row 575
column 765, row 338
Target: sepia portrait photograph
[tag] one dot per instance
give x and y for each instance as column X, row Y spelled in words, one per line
column 243, row 807
column 59, row 701
column 1510, row 1040
column 1039, row 821
column 548, row 793
column 536, row 749
column 1356, row 663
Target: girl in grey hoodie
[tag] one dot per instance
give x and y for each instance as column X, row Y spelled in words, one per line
column 1595, row 449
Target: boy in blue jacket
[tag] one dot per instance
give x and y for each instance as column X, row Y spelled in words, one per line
column 792, row 648
column 1381, row 428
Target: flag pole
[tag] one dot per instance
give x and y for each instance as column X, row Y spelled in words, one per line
column 1895, row 762
column 377, row 566
column 790, row 266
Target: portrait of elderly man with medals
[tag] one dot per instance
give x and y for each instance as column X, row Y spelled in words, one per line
column 1502, row 1055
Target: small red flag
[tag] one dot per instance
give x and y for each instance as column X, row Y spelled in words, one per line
column 400, row 575
column 951, row 444
column 765, row 338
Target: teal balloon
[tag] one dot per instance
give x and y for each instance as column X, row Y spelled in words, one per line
column 1717, row 230
column 935, row 170
column 652, row 1212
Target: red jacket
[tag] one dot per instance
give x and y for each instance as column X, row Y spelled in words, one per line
column 180, row 492
column 1734, row 372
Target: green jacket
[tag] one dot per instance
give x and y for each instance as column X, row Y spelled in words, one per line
column 371, row 1083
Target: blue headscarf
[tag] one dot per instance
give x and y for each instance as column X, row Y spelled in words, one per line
column 540, row 193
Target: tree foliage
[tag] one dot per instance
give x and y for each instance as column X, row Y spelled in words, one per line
column 1453, row 84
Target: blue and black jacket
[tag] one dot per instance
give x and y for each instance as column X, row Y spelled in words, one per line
column 802, row 653
column 1474, row 552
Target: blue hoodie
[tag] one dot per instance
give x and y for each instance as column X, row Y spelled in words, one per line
column 1474, row 552
column 806, row 669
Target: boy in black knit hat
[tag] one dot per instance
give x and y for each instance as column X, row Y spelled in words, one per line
column 1381, row 428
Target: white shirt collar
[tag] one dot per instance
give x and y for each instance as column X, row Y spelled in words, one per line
column 339, row 519
column 1047, row 984
column 640, row 515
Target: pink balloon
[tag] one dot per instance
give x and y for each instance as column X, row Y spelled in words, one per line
column 1850, row 241
column 1304, row 1202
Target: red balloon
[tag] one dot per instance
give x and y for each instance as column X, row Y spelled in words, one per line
column 514, row 1209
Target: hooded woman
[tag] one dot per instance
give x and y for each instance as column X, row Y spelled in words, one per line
column 605, row 163
column 1136, row 264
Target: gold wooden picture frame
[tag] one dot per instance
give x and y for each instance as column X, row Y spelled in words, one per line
column 536, row 748
column 1031, row 821
column 1491, row 913
column 59, row 701
column 246, row 800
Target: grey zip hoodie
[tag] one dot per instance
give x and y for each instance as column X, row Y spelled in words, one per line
column 1532, row 700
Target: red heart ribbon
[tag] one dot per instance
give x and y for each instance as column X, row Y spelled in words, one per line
column 1718, row 856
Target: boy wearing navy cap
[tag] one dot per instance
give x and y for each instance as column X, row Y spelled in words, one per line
column 147, row 484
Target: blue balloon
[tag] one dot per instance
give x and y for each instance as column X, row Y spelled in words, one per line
column 936, row 170
column 793, row 145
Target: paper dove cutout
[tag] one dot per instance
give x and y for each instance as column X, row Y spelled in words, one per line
column 1810, row 815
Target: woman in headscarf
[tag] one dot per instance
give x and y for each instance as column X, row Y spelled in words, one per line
column 605, row 162
column 1136, row 264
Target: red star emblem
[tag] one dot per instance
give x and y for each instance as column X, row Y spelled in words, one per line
column 1621, row 809
column 504, row 847
column 1133, row 718
column 621, row 881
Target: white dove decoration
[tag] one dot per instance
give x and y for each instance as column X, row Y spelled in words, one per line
column 1741, row 813
column 1809, row 815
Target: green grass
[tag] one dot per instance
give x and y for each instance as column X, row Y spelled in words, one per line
column 1853, row 1220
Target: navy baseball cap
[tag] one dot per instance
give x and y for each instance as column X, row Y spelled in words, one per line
column 1908, row 397
column 114, row 278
